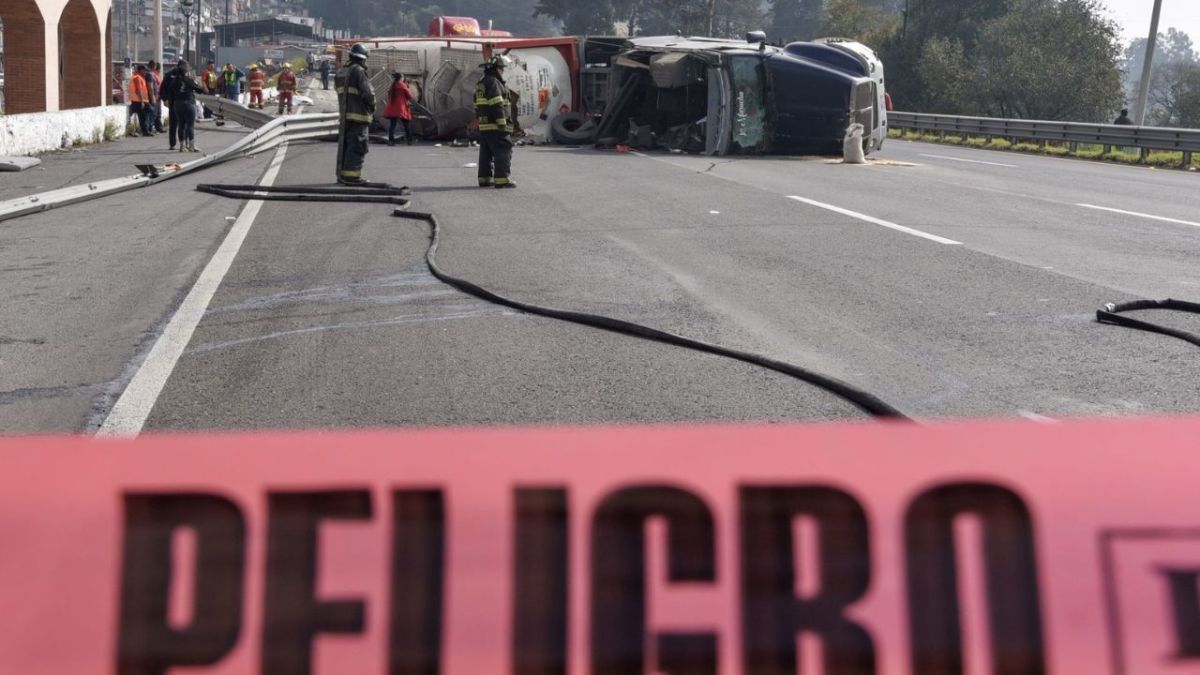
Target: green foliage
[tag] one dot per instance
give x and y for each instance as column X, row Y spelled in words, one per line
column 1163, row 159
column 1181, row 105
column 1049, row 59
column 595, row 17
column 793, row 20
column 1033, row 59
column 412, row 17
column 110, row 130
column 861, row 20
column 946, row 76
column 716, row 18
column 1172, row 51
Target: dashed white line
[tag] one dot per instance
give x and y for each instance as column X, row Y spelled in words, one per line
column 971, row 161
column 876, row 221
column 133, row 407
column 1140, row 215
column 1032, row 416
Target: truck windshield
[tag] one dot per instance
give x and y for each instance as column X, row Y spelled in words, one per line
column 749, row 103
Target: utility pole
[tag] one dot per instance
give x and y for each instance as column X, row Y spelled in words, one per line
column 158, row 46
column 1139, row 112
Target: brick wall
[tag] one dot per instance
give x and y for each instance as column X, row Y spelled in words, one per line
column 80, row 49
column 24, row 57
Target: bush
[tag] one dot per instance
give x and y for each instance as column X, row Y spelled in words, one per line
column 110, row 130
column 999, row 144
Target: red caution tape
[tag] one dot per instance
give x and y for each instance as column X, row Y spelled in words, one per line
column 1067, row 548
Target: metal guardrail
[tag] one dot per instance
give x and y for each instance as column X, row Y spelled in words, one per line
column 271, row 134
column 1144, row 138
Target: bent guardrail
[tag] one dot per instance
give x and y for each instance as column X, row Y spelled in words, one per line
column 277, row 131
column 1146, row 139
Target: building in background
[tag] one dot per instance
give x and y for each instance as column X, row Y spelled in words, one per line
column 55, row 54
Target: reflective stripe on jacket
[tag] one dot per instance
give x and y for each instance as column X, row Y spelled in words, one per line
column 256, row 79
column 356, row 97
column 491, row 103
column 286, row 82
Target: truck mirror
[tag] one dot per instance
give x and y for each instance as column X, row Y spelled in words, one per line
column 756, row 36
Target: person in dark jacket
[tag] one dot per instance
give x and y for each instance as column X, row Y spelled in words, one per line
column 325, row 70
column 183, row 96
column 356, row 110
column 495, row 131
column 165, row 93
column 1123, row 118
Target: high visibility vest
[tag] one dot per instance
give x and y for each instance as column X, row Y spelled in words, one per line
column 231, row 78
column 138, row 93
column 210, row 79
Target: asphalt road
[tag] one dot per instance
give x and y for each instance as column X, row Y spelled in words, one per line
column 950, row 282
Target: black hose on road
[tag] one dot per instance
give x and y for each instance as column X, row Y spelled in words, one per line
column 1111, row 314
column 864, row 400
column 384, row 193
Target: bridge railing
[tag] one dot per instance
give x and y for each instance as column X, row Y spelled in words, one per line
column 1146, row 139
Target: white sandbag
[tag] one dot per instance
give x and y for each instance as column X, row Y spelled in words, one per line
column 18, row 163
column 852, row 145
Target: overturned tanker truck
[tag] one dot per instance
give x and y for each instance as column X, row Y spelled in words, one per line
column 688, row 94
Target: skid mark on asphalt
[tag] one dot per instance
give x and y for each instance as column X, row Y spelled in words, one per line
column 44, row 393
column 463, row 312
column 417, row 286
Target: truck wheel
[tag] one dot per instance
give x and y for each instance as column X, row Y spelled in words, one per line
column 573, row 128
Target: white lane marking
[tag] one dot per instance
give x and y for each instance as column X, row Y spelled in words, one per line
column 1029, row 415
column 131, row 410
column 877, row 221
column 972, row 161
column 1140, row 215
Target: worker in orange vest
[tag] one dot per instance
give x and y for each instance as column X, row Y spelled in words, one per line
column 286, row 85
column 257, row 80
column 140, row 101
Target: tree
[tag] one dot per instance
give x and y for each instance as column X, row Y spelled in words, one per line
column 793, row 20
column 867, row 22
column 1049, row 59
column 1181, row 105
column 594, row 17
column 715, row 18
column 947, row 77
column 1173, row 54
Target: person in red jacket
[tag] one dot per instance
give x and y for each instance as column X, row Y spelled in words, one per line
column 286, row 86
column 257, row 79
column 397, row 110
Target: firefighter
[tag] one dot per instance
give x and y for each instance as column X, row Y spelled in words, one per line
column 356, row 109
column 257, row 79
column 286, row 85
column 495, row 132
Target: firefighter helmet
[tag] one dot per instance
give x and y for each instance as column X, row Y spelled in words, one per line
column 359, row 52
column 497, row 61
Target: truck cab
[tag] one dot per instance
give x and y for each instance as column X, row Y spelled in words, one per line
column 727, row 97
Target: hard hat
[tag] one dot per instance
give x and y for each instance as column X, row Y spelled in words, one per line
column 358, row 51
column 498, row 61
